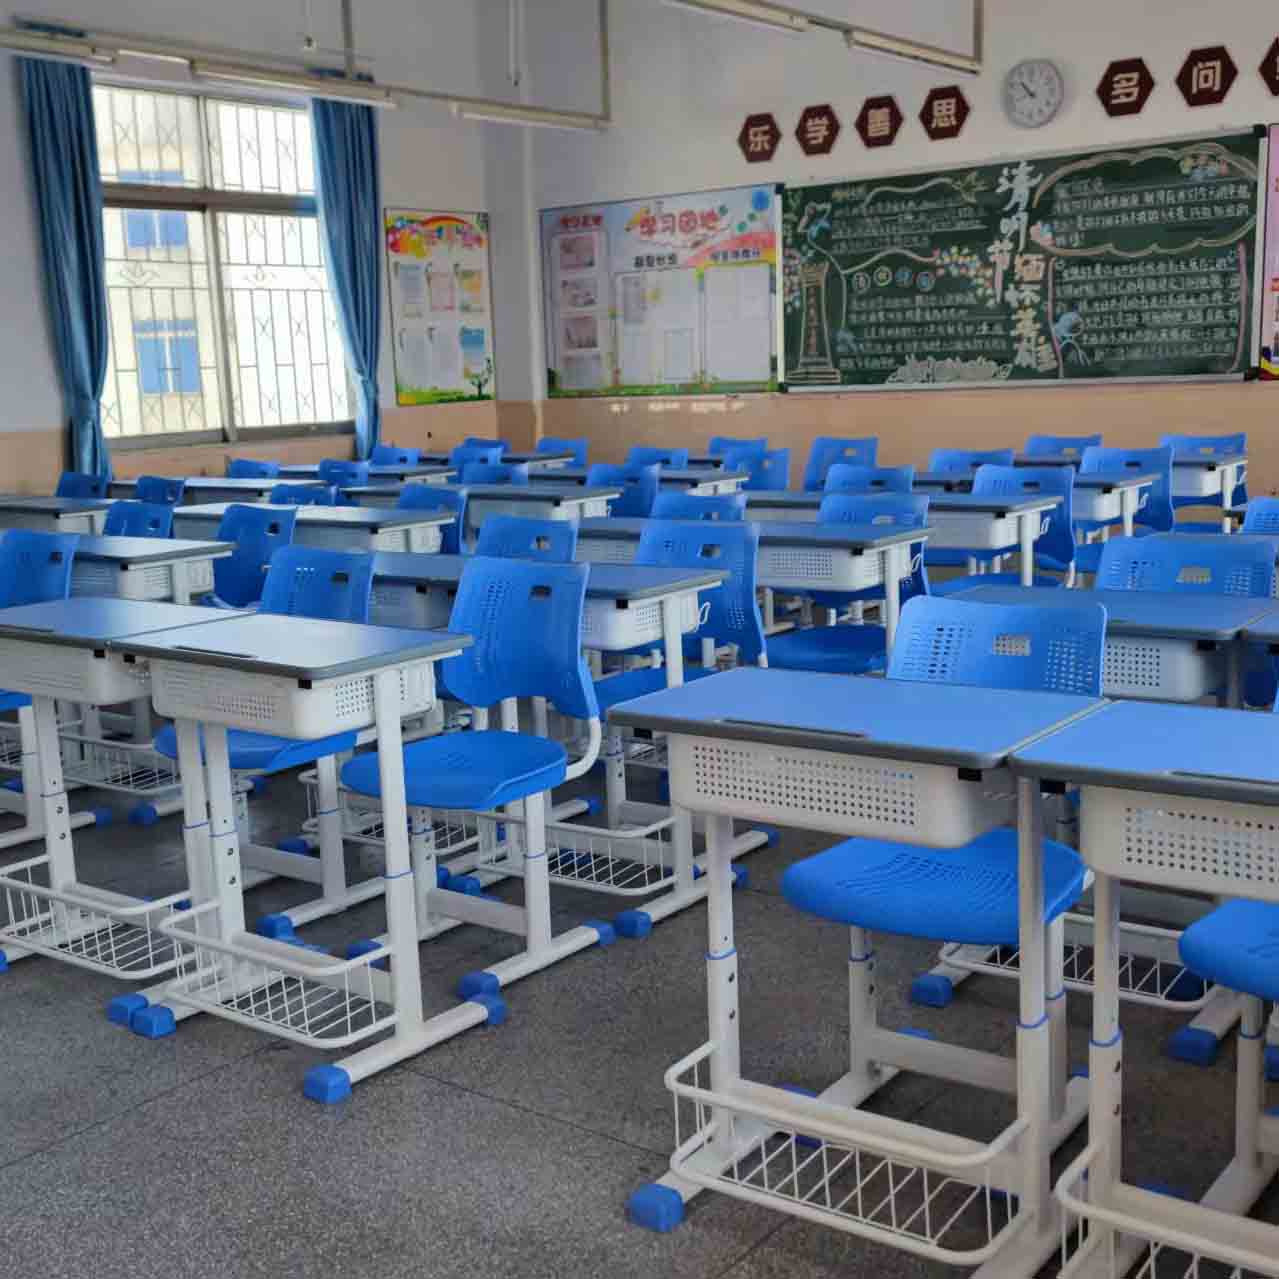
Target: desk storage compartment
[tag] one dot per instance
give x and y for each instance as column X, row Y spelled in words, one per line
column 831, row 568
column 1097, row 504
column 74, row 674
column 1161, row 668
column 403, row 604
column 975, row 530
column 606, row 626
column 607, row 550
column 140, row 582
column 1196, row 481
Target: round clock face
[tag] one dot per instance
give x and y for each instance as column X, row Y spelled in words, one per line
column 1033, row 92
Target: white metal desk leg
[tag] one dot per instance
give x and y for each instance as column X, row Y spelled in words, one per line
column 1027, row 528
column 893, row 573
column 54, row 804
column 673, row 640
column 1227, row 494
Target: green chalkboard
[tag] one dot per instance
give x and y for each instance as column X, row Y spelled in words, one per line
column 1111, row 264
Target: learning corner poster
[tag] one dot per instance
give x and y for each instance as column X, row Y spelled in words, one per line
column 441, row 306
column 669, row 295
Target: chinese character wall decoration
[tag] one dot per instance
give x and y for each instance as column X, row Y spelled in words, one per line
column 759, row 137
column 1126, row 85
column 944, row 113
column 817, row 129
column 1270, row 67
column 878, row 121
column 1206, row 76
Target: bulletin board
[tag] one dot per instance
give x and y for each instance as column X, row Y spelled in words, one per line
column 439, row 280
column 670, row 295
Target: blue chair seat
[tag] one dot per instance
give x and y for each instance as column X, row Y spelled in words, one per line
column 261, row 752
column 627, row 685
column 1237, row 945
column 966, row 894
column 1196, row 526
column 836, row 650
column 13, row 701
column 472, row 771
column 953, row 584
column 958, row 557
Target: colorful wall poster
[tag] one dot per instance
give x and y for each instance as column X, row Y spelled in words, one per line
column 1270, row 270
column 441, row 306
column 672, row 295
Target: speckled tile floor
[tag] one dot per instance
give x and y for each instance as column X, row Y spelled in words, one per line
column 505, row 1152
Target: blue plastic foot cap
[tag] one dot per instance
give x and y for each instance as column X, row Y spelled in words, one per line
column 1190, row 1044
column 478, row 983
column 916, row 1032
column 932, row 990
column 655, row 1207
column 258, row 785
column 803, row 1139
column 593, row 806
column 280, row 927
column 741, row 877
column 1272, row 1057
column 143, row 815
column 1163, row 1188
column 4, row 962
column 1078, row 1072
column 495, row 1005
column 358, row 948
column 633, row 923
column 663, row 790
column 102, row 816
column 467, row 884
column 120, row 1010
column 14, row 784
column 296, row 844
column 155, row 1021
column 442, row 877
column 607, row 934
column 698, row 872
column 774, row 835
column 327, row 1084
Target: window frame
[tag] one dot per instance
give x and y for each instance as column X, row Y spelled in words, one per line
column 207, row 203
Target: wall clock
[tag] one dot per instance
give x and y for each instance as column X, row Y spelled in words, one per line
column 1034, row 91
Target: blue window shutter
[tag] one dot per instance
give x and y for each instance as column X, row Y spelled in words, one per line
column 173, row 230
column 152, row 373
column 139, row 228
column 185, row 365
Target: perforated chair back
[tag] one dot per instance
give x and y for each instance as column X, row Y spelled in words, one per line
column 765, row 468
column 35, row 567
column 258, row 532
column 526, row 620
column 394, row 455
column 431, row 497
column 496, row 473
column 343, row 474
column 512, row 537
column 844, row 477
column 160, row 490
column 689, row 506
column 304, row 495
column 901, row 510
column 464, row 453
column 643, row 455
column 1210, row 446
column 732, row 610
column 966, row 461
column 721, row 444
column 249, row 468
column 1261, row 515
column 79, row 484
column 826, row 450
column 138, row 519
column 1017, row 646
column 579, row 447
column 1207, row 566
column 483, row 442
column 1059, row 445
column 1058, row 538
column 1155, row 511
column 306, row 581
column 639, row 485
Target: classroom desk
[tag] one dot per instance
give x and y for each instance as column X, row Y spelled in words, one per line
column 212, row 488
column 966, row 521
column 704, row 482
column 1049, row 459
column 54, row 514
column 1213, row 478
column 335, row 528
column 420, row 473
column 145, row 568
column 882, row 759
column 535, row 461
column 1185, row 797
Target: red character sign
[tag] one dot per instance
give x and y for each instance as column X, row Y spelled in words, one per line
column 878, row 121
column 1270, row 67
column 759, row 137
column 944, row 112
column 817, row 130
column 1124, row 88
column 1206, row 76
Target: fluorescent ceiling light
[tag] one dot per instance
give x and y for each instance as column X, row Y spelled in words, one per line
column 861, row 40
column 770, row 16
column 55, row 48
column 533, row 117
column 357, row 91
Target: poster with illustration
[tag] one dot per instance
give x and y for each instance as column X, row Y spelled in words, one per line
column 1270, row 273
column 441, row 306
column 672, row 295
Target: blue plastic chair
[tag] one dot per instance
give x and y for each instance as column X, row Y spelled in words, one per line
column 1208, row 566
column 78, row 484
column 160, row 490
column 765, row 468
column 258, row 533
column 138, row 519
column 34, row 567
column 1261, row 515
column 464, row 453
column 672, row 505
column 827, row 450
column 966, row 461
column 1209, row 446
column 639, row 485
column 483, row 442
column 305, row 495
column 722, row 444
column 433, row 497
column 1155, row 514
column 643, row 455
column 394, row 455
column 495, row 473
column 843, row 477
column 249, row 468
column 512, row 537
column 579, row 447
column 1060, row 445
column 343, row 474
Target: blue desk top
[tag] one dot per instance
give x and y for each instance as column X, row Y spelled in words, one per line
column 1104, row 480
column 1175, row 750
column 848, row 537
column 799, row 499
column 509, row 456
column 370, row 517
column 89, row 622
column 927, row 723
column 52, row 505
column 148, row 550
column 1218, row 618
column 989, row 504
column 1047, row 459
column 317, row 650
column 553, row 490
column 219, row 484
column 670, row 475
column 311, row 471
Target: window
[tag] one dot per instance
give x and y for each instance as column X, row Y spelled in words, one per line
column 221, row 319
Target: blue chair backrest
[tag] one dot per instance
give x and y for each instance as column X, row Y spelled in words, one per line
column 160, row 490
column 688, row 506
column 1156, row 511
column 1017, row 646
column 35, row 567
column 1060, row 445
column 393, row 455
column 966, row 461
column 1262, row 515
column 78, row 484
column 829, row 449
column 464, row 453
column 1211, row 446
column 305, row 495
column 249, row 468
column 480, row 442
column 496, row 473
column 579, row 447
column 258, row 532
column 765, row 468
column 902, row 510
column 642, row 455
column 639, row 485
column 138, row 519
column 721, row 444
column 732, row 609
column 513, row 537
column 1058, row 537
column 343, row 474
column 434, row 497
column 844, row 477
column 526, row 621
column 306, row 581
column 1199, row 566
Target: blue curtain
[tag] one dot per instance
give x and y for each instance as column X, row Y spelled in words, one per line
column 350, row 199
column 68, row 185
